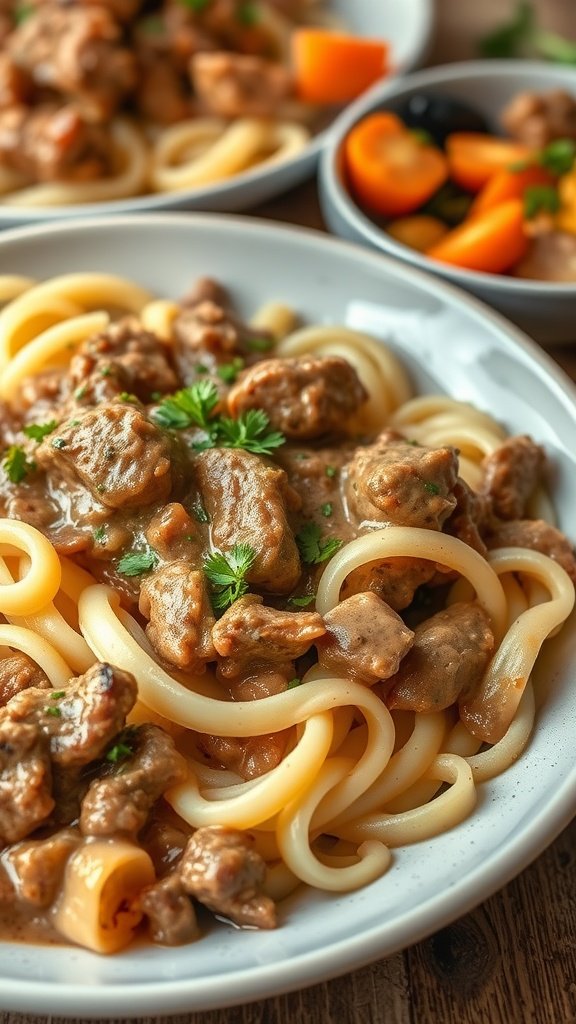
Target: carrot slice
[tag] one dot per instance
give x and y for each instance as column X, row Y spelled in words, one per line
column 331, row 67
column 417, row 232
column 473, row 158
column 391, row 170
column 508, row 184
column 491, row 242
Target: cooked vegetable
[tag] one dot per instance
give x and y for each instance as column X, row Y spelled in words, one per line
column 391, row 170
column 566, row 218
column 491, row 242
column 419, row 232
column 521, row 37
column 474, row 158
column 509, row 184
column 227, row 574
column 440, row 116
column 331, row 67
column 551, row 257
column 449, row 204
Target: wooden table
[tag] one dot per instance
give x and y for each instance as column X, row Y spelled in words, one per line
column 513, row 959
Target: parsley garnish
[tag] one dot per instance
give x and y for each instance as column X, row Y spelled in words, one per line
column 201, row 369
column 521, row 37
column 199, row 512
column 36, row 431
column 250, row 432
column 293, row 683
column 119, row 752
column 326, row 509
column 248, row 14
column 105, row 371
column 228, row 372
column 227, row 574
column 53, row 712
column 126, row 396
column 540, row 199
column 431, row 488
column 134, row 563
column 58, row 694
column 330, row 471
column 59, row 442
column 313, row 548
column 302, row 602
column 80, row 392
column 16, row 464
column 261, row 344
column 99, row 534
column 22, row 13
column 191, row 407
column 558, row 156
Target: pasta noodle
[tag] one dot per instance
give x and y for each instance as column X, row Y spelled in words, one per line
column 358, row 775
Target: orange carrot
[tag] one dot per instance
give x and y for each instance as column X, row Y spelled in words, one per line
column 507, row 184
column 418, row 232
column 492, row 242
column 473, row 158
column 392, row 170
column 330, row 67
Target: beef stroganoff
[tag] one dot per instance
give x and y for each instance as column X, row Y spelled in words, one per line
column 266, row 616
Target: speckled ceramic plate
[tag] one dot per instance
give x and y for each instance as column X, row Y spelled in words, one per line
column 449, row 342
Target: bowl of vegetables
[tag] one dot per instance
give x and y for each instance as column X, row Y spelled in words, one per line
column 468, row 171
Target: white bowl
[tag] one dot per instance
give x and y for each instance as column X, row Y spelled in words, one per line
column 546, row 310
column 449, row 342
column 406, row 24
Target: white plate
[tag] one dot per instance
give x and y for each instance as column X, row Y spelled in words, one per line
column 448, row 340
column 406, row 24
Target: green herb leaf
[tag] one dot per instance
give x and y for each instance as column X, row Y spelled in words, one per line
column 190, row 407
column 302, row 602
column 58, row 694
column 250, row 432
column 59, row 442
column 228, row 372
column 313, row 548
column 80, row 392
column 16, row 465
column 327, row 509
column 293, row 683
column 540, row 199
column 431, row 488
column 99, row 534
column 259, row 344
column 558, row 156
column 22, row 12
column 135, row 563
column 36, row 431
column 53, row 712
column 330, row 471
column 248, row 14
column 126, row 396
column 510, row 39
column 199, row 512
column 119, row 752
column 227, row 574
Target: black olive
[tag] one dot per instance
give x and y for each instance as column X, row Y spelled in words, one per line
column 439, row 115
column 450, row 204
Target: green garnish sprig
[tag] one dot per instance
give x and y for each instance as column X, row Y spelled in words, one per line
column 16, row 464
column 227, row 573
column 315, row 549
column 136, row 563
column 522, row 37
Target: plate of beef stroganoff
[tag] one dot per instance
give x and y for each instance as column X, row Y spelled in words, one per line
column 205, row 104
column 284, row 661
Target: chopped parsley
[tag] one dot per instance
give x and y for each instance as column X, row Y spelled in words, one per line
column 99, row 534
column 156, row 396
column 59, row 442
column 119, row 752
column 293, row 683
column 558, row 156
column 105, row 371
column 135, row 563
column 248, row 14
column 201, row 369
column 314, row 548
column 36, row 431
column 228, row 372
column 227, row 574
column 327, row 509
column 16, row 464
column 250, row 432
column 522, row 37
column 53, row 712
column 330, row 471
column 22, row 13
column 259, row 344
column 191, row 407
column 81, row 391
column 302, row 602
column 199, row 512
column 431, row 488
column 540, row 199
column 126, row 396
column 58, row 694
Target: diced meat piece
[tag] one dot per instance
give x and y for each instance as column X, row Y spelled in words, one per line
column 305, row 398
column 470, row 518
column 164, row 838
column 206, row 289
column 207, row 334
column 171, row 916
column 396, row 482
column 121, row 802
column 538, row 119
column 172, row 533
column 538, row 536
column 77, row 51
column 365, row 639
column 25, row 779
column 115, row 452
column 80, row 724
column 18, row 672
column 394, row 580
column 250, row 758
column 550, row 257
column 450, row 654
column 15, row 84
column 135, row 360
column 247, row 501
column 238, row 85
column 52, row 143
column 162, row 93
column 315, row 474
column 176, row 603
column 221, row 870
column 250, row 632
column 511, row 473
column 38, row 866
column 69, row 784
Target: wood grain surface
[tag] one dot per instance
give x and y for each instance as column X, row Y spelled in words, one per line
column 513, row 959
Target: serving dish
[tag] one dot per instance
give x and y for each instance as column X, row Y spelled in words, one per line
column 447, row 341
column 545, row 309
column 407, row 26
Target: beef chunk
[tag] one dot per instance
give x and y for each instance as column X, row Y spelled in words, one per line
column 365, row 639
column 115, row 452
column 171, row 917
column 176, row 602
column 221, row 870
column 536, row 120
column 52, row 143
column 15, row 84
column 538, row 536
column 18, row 672
column 121, row 801
column 80, row 724
column 396, row 482
column 251, row 633
column 511, row 473
column 205, row 328
column 304, row 398
column 450, row 654
column 172, row 533
column 394, row 580
column 25, row 779
column 247, row 500
column 250, row 758
column 76, row 51
column 124, row 357
column 470, row 518
column 38, row 866
column 238, row 85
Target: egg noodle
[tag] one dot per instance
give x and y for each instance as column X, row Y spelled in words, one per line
column 370, row 779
